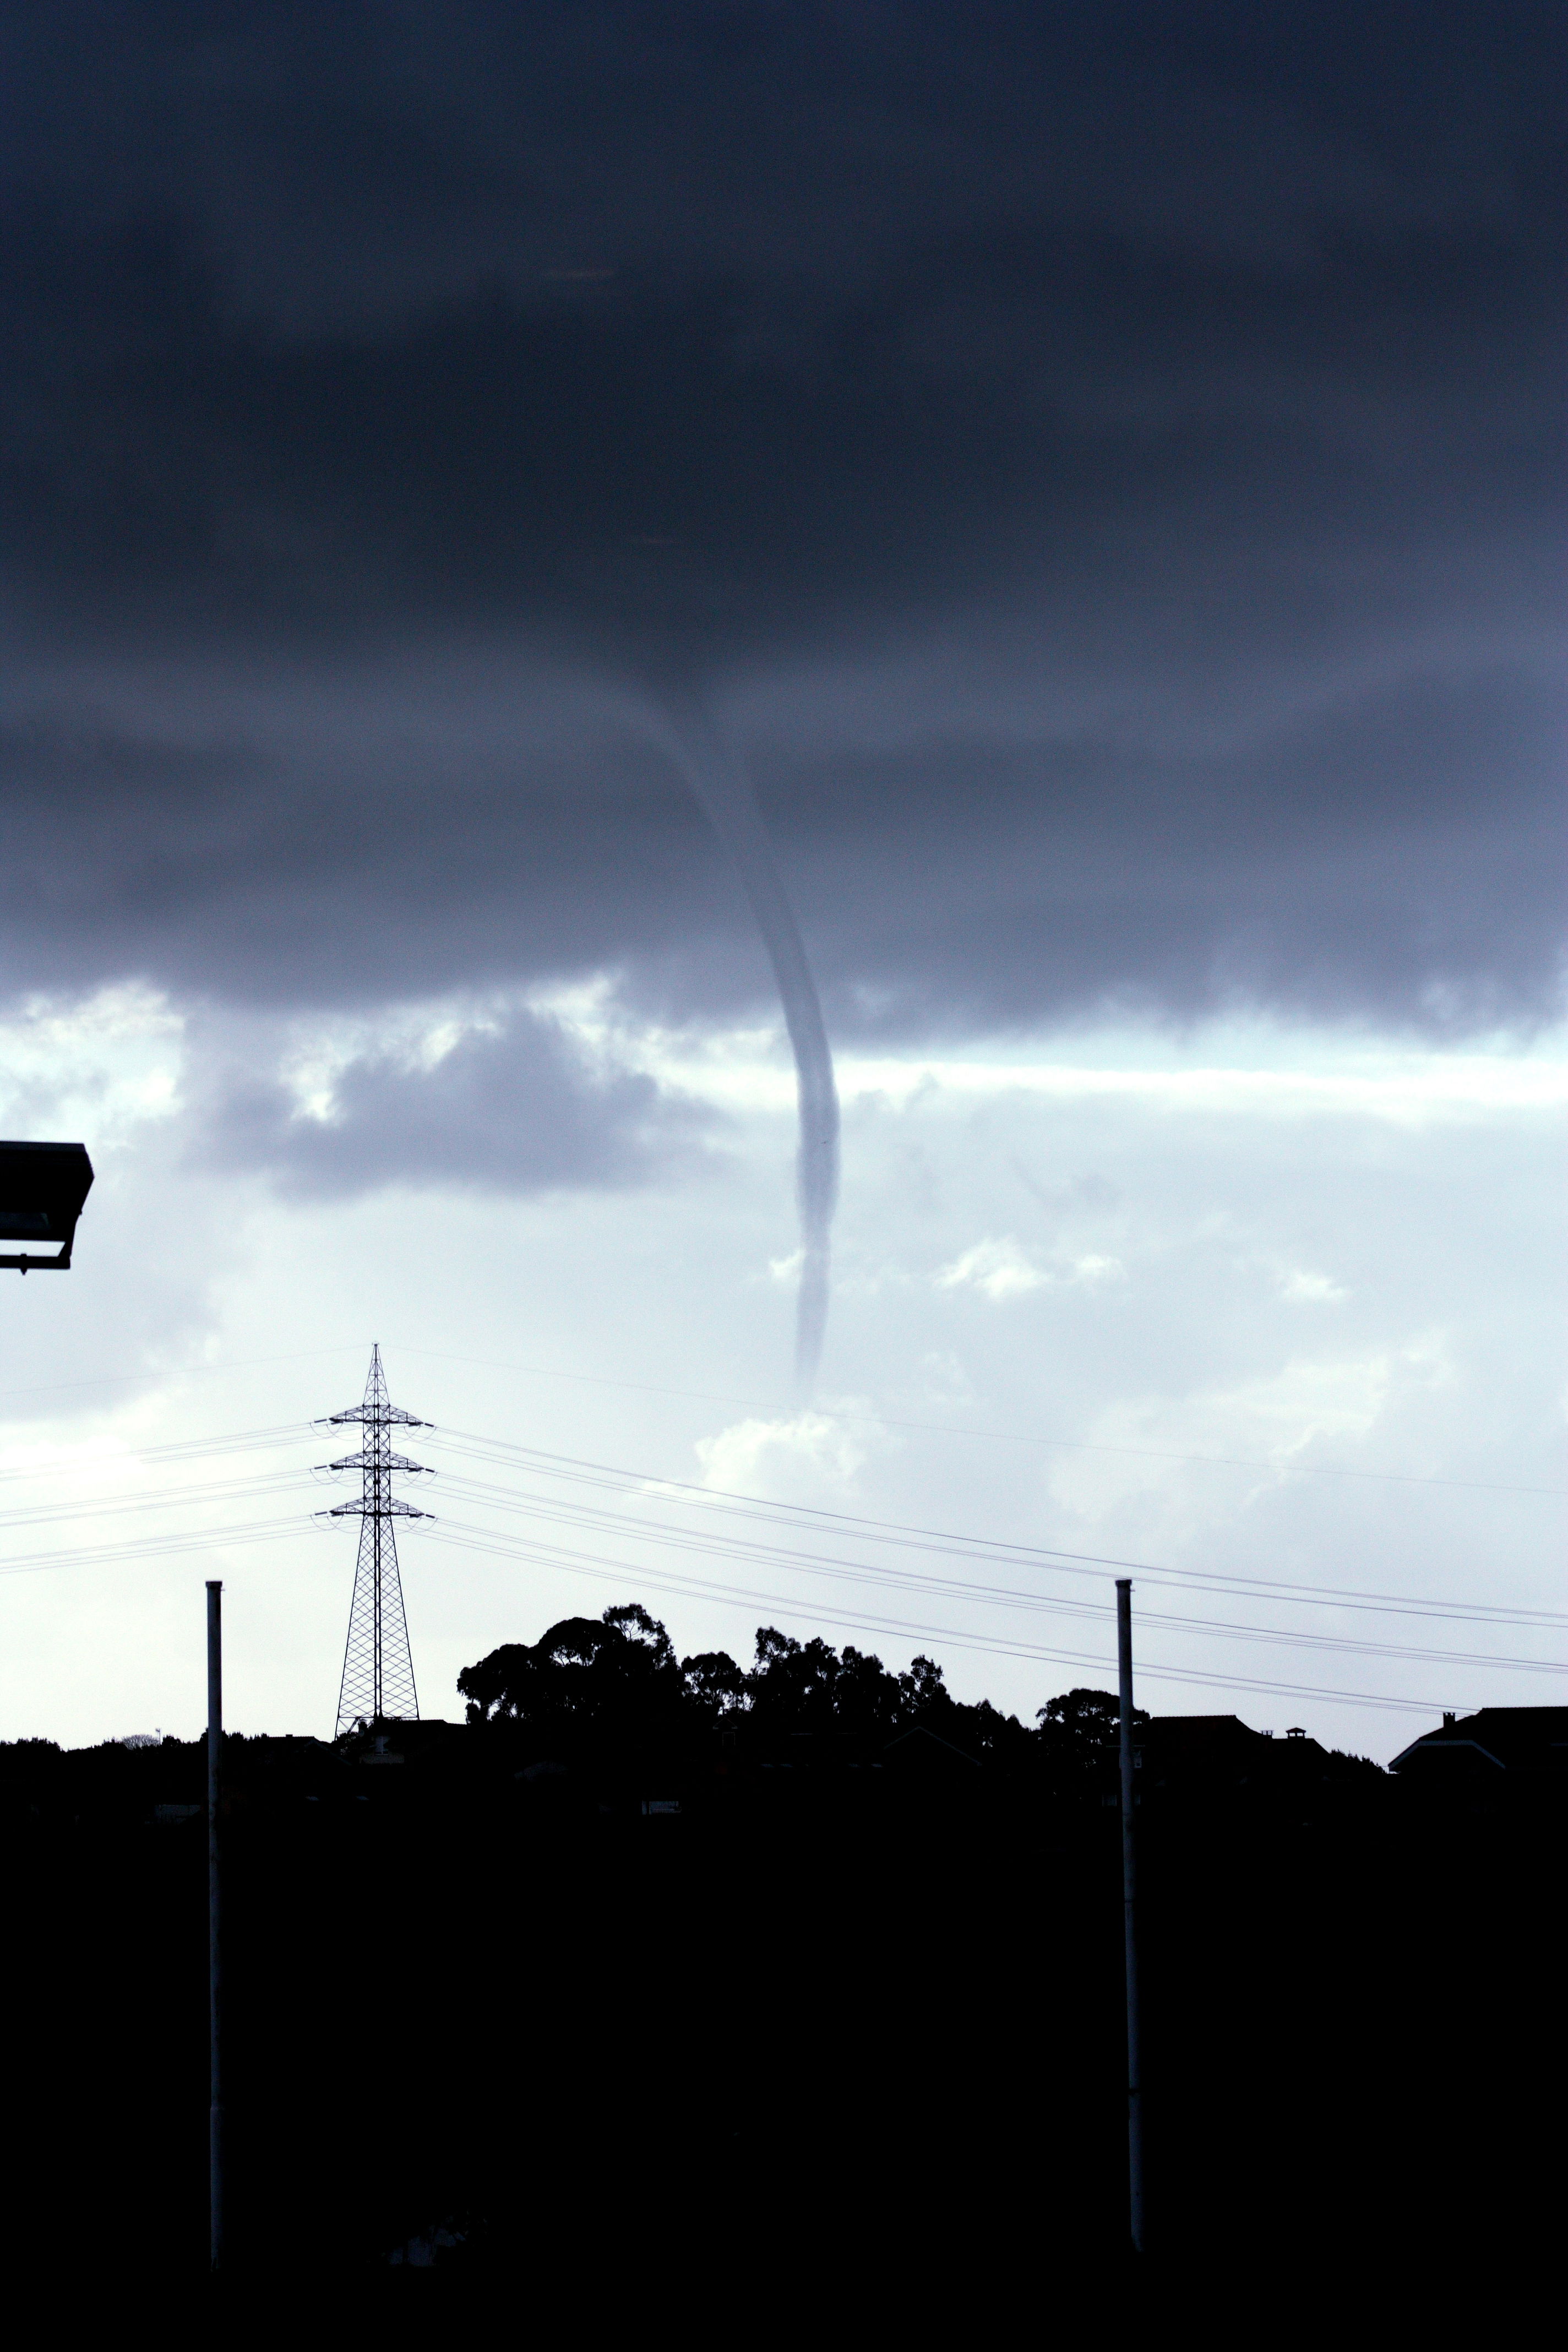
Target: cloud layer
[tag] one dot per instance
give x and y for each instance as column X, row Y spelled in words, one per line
column 1106, row 470
column 514, row 1110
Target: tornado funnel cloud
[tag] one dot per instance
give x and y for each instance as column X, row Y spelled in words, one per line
column 718, row 778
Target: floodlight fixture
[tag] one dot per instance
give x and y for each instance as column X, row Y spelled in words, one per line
column 42, row 1188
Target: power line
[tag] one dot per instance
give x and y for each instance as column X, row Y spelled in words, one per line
column 809, row 1518
column 574, row 1559
column 482, row 1540
column 155, row 1547
column 192, row 1449
column 571, row 1560
column 858, row 1528
column 996, row 1436
column 755, row 1404
column 979, row 1547
column 181, row 1371
column 160, row 1499
column 991, row 1596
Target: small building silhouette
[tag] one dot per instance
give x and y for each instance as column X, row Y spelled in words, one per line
column 1217, row 1751
column 1515, row 1740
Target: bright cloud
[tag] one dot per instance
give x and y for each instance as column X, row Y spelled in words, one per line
column 1303, row 1289
column 1002, row 1268
column 786, row 1459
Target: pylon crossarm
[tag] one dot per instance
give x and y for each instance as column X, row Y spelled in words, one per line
column 367, row 1413
column 378, row 1461
column 371, row 1510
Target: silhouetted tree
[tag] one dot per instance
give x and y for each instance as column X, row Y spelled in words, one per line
column 793, row 1684
column 713, row 1683
column 1090, row 1718
column 616, row 1678
column 808, row 1688
column 613, row 1674
column 1080, row 1731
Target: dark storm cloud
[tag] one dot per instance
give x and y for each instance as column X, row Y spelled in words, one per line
column 513, row 1111
column 1107, row 462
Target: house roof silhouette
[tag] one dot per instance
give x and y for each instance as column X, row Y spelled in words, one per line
column 1493, row 1739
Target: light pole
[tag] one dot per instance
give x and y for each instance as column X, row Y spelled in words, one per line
column 1130, row 1916
column 42, row 1188
column 215, row 1920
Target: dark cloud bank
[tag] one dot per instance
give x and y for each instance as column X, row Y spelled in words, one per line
column 505, row 1111
column 1105, row 462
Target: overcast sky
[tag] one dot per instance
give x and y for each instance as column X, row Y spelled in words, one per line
column 1100, row 473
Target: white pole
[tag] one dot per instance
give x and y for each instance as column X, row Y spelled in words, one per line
column 1130, row 1912
column 214, row 1941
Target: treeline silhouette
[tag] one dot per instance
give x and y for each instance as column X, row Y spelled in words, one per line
column 769, row 1980
column 617, row 1678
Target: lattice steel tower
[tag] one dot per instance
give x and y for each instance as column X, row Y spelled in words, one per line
column 378, row 1670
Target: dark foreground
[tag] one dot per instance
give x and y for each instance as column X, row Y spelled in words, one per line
column 838, row 2027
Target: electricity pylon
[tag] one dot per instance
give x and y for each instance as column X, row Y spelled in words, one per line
column 378, row 1670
